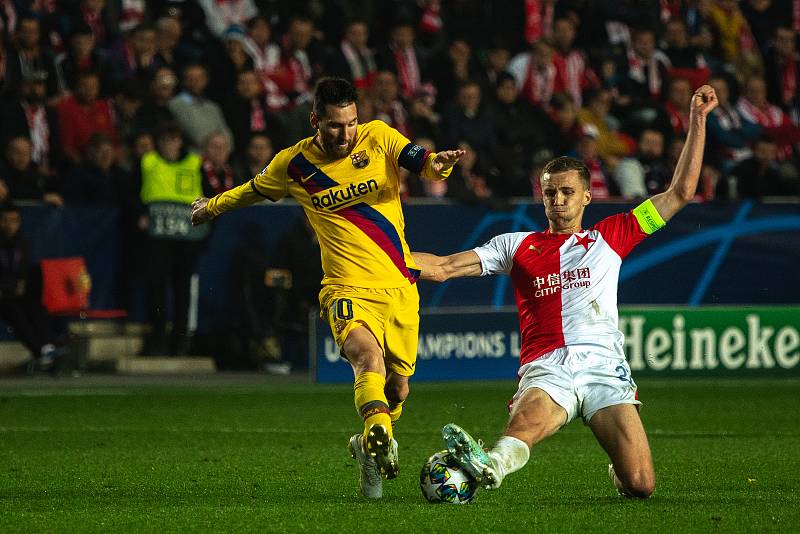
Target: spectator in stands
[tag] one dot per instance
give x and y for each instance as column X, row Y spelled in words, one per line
column 96, row 180
column 729, row 134
column 519, row 127
column 572, row 67
column 497, row 57
column 171, row 178
column 587, row 150
column 218, row 173
column 678, row 93
column 644, row 75
column 258, row 153
column 402, row 57
column 197, row 115
column 127, row 108
column 138, row 55
column 168, row 38
column 455, row 66
column 645, row 173
column 565, row 130
column 688, row 61
column 611, row 143
column 246, row 110
column 27, row 54
column 783, row 72
column 221, row 14
column 29, row 117
column 84, row 114
column 82, row 55
column 155, row 107
column 266, row 56
column 470, row 180
column 21, row 306
column 763, row 17
column 736, row 45
column 759, row 175
column 468, row 121
column 388, row 106
column 234, row 60
column 754, row 107
column 423, row 119
column 21, row 179
column 536, row 74
column 353, row 60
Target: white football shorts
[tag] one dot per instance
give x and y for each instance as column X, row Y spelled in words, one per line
column 582, row 380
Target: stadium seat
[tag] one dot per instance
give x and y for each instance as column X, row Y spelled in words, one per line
column 66, row 287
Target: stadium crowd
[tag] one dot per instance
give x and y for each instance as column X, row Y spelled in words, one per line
column 131, row 104
column 89, row 85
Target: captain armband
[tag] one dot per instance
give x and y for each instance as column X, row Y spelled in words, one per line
column 649, row 218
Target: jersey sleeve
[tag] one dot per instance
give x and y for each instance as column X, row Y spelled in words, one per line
column 272, row 183
column 408, row 155
column 626, row 230
column 497, row 256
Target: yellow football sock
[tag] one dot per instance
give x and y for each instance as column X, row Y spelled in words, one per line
column 395, row 410
column 371, row 401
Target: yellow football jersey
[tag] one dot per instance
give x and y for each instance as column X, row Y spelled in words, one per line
column 353, row 203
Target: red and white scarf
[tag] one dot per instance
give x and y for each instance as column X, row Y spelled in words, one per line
column 538, row 22
column 257, row 120
column 638, row 71
column 362, row 64
column 539, row 85
column 214, row 181
column 407, row 71
column 39, row 132
column 679, row 120
column 789, row 81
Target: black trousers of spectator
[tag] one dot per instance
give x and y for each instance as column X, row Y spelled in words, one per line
column 170, row 266
column 29, row 319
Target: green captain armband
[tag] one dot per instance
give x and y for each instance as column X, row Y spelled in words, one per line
column 649, row 218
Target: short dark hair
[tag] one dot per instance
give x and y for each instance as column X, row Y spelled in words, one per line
column 566, row 163
column 335, row 92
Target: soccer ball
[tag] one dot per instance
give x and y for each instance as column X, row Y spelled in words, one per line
column 443, row 480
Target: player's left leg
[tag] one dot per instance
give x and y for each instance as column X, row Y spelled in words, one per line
column 620, row 432
column 396, row 390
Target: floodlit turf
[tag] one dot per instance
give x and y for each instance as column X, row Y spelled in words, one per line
column 251, row 457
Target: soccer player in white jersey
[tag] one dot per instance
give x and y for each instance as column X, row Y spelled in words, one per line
column 565, row 282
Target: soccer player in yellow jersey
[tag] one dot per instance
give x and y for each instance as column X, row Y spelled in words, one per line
column 346, row 177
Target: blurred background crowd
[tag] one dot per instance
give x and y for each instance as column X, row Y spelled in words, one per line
column 145, row 105
column 91, row 86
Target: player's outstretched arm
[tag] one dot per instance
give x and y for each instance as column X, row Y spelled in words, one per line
column 441, row 268
column 445, row 160
column 687, row 171
column 199, row 213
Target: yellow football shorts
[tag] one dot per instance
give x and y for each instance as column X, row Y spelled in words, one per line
column 392, row 315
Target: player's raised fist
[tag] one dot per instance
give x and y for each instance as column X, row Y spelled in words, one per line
column 704, row 100
column 446, row 159
column 199, row 213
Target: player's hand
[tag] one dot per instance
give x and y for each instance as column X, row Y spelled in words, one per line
column 446, row 159
column 199, row 213
column 704, row 100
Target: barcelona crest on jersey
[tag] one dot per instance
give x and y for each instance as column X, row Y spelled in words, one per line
column 360, row 159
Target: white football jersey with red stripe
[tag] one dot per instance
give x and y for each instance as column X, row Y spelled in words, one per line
column 566, row 284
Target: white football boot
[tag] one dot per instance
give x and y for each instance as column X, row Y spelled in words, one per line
column 469, row 454
column 369, row 477
column 383, row 449
column 615, row 480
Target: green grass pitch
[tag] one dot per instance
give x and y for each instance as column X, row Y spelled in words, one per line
column 261, row 456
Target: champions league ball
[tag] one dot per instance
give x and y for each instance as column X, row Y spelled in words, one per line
column 443, row 480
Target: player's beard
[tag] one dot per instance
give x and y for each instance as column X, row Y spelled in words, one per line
column 333, row 149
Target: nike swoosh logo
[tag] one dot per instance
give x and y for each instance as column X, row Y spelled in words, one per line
column 304, row 179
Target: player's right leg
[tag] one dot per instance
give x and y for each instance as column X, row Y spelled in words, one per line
column 534, row 417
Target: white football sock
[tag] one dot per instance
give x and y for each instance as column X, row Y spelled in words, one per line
column 509, row 454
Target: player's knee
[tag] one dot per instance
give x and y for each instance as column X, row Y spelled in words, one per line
column 641, row 485
column 396, row 391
